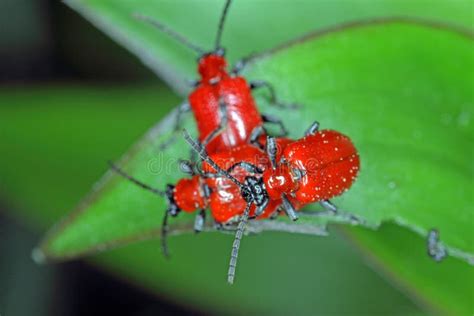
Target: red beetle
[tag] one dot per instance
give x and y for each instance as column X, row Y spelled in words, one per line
column 222, row 103
column 245, row 182
column 316, row 168
column 239, row 180
column 226, row 116
column 223, row 99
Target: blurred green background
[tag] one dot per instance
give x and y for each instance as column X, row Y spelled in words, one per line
column 71, row 99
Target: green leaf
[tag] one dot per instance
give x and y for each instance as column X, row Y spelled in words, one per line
column 247, row 25
column 444, row 288
column 50, row 162
column 411, row 124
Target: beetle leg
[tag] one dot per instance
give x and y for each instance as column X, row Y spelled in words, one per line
column 199, row 221
column 275, row 120
column 240, row 64
column 206, row 190
column 255, row 135
column 289, row 208
column 276, row 213
column 164, row 234
column 218, row 226
column 173, row 210
column 331, row 209
column 259, row 210
column 259, row 131
column 182, row 109
column 313, row 129
column 328, row 206
column 187, row 167
column 273, row 99
column 246, row 166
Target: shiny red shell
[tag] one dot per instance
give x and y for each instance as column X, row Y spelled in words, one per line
column 328, row 162
column 188, row 194
column 315, row 168
column 242, row 113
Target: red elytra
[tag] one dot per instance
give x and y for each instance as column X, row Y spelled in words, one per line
column 188, row 194
column 317, row 167
column 216, row 85
column 218, row 93
column 290, row 174
column 327, row 161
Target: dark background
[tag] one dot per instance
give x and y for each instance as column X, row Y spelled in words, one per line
column 45, row 41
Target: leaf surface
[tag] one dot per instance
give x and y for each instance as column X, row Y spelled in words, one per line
column 411, row 124
column 246, row 28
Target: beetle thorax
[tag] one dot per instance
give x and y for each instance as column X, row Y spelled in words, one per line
column 212, row 68
column 255, row 191
column 279, row 180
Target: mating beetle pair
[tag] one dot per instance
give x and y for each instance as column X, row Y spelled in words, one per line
column 247, row 174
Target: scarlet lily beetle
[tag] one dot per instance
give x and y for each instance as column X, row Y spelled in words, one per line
column 321, row 165
column 258, row 184
column 247, row 182
column 222, row 103
column 225, row 113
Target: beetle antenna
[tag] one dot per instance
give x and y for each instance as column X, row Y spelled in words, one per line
column 236, row 245
column 164, row 234
column 135, row 181
column 271, row 149
column 173, row 34
column 205, row 157
column 220, row 28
